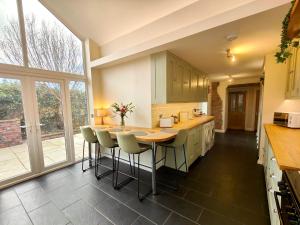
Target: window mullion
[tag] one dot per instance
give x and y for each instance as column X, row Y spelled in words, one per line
column 22, row 32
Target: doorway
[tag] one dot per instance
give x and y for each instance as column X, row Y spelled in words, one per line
column 34, row 131
column 236, row 111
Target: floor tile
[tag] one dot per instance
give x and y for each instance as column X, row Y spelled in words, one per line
column 26, row 186
column 34, row 199
column 118, row 213
column 91, row 194
column 124, row 195
column 150, row 210
column 8, row 199
column 15, row 216
column 180, row 206
column 175, row 219
column 212, row 218
column 81, row 213
column 48, row 215
column 142, row 221
column 63, row 196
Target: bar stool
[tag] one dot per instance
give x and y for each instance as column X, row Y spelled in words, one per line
column 106, row 141
column 90, row 138
column 128, row 143
column 179, row 142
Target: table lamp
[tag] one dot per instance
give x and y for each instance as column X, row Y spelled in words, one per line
column 101, row 113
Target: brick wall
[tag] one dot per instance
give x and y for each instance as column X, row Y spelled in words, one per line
column 216, row 105
column 10, row 133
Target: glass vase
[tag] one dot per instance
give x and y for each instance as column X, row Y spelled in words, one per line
column 122, row 123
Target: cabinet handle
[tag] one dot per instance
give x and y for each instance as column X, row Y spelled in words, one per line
column 272, row 175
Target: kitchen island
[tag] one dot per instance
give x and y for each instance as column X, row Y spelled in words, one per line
column 194, row 145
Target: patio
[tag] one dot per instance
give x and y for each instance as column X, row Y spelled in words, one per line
column 14, row 160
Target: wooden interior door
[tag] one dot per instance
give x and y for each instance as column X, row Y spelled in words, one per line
column 257, row 108
column 236, row 110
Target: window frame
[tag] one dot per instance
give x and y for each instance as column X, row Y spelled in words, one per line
column 47, row 73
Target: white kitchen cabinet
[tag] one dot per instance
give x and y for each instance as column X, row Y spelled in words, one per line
column 174, row 80
column 272, row 176
column 293, row 74
column 195, row 146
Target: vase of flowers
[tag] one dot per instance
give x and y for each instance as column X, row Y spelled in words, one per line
column 122, row 111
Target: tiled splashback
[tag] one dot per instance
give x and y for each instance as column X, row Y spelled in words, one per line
column 174, row 109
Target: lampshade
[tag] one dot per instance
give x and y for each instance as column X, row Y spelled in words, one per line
column 101, row 112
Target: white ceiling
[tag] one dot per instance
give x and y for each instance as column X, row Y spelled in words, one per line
column 258, row 35
column 106, row 20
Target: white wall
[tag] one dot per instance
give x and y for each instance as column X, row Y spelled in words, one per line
column 274, row 95
column 222, row 91
column 127, row 82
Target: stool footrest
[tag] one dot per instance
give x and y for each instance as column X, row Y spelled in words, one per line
column 104, row 174
column 124, row 183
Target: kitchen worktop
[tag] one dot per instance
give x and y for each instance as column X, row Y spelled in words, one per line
column 196, row 121
column 157, row 134
column 285, row 144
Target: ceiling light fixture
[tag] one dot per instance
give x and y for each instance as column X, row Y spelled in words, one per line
column 230, row 56
column 230, row 79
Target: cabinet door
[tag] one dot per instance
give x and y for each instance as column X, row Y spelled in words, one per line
column 296, row 80
column 175, row 74
column 200, row 87
column 291, row 88
column 205, row 89
column 186, row 84
column 195, row 94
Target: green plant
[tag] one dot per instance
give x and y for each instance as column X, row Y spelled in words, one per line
column 283, row 54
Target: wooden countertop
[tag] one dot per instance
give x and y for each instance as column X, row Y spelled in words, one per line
column 156, row 134
column 196, row 121
column 285, row 143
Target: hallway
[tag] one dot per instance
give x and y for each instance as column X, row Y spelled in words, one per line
column 224, row 188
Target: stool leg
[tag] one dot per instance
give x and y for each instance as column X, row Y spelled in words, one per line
column 113, row 162
column 133, row 165
column 82, row 161
column 174, row 150
column 117, row 170
column 186, row 168
column 138, row 178
column 131, row 171
column 96, row 161
column 90, row 155
column 166, row 149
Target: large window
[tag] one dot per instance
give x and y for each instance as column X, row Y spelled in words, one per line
column 10, row 38
column 79, row 107
column 50, row 44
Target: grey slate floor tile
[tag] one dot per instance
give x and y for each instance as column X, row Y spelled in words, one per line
column 118, row 213
column 15, row 216
column 34, row 199
column 48, row 215
column 80, row 213
column 8, row 200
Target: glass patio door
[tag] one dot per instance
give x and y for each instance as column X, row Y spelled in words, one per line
column 15, row 130
column 51, row 123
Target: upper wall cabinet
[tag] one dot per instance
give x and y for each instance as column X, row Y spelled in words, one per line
column 293, row 80
column 174, row 80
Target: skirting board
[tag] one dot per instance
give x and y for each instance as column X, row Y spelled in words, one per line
column 220, row 131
